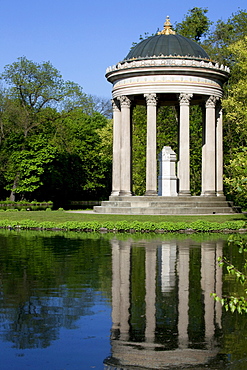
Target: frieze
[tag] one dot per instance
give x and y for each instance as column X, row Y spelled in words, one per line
column 165, row 79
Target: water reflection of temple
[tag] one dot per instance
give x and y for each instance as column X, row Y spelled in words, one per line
column 162, row 312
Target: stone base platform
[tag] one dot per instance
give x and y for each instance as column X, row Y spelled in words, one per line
column 160, row 205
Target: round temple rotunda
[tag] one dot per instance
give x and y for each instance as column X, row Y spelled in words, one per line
column 166, row 69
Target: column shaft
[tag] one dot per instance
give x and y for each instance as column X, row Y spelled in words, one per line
column 116, row 156
column 208, row 150
column 125, row 146
column 184, row 144
column 151, row 160
column 219, row 153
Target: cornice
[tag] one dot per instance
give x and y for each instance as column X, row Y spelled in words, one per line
column 173, row 63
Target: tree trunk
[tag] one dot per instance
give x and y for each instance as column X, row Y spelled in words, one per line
column 12, row 196
column 12, row 193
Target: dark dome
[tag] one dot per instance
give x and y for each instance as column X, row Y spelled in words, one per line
column 167, row 45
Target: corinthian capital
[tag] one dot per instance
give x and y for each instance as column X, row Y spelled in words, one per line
column 151, row 99
column 124, row 101
column 115, row 105
column 211, row 101
column 184, row 99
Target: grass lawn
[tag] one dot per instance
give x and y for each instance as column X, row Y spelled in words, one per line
column 62, row 216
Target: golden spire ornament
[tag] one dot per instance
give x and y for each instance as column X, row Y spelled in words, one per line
column 167, row 28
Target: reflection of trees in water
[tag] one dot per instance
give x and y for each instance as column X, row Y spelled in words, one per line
column 37, row 322
column 49, row 283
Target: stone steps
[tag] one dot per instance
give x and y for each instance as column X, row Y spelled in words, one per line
column 148, row 205
column 161, row 211
column 161, row 204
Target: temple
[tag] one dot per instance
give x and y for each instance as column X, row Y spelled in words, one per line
column 167, row 69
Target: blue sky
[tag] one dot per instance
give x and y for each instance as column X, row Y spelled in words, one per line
column 82, row 38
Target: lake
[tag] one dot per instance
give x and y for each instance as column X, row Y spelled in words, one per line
column 105, row 301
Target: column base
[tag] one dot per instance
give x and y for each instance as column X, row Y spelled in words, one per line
column 184, row 193
column 151, row 193
column 124, row 193
column 115, row 193
column 220, row 194
column 208, row 193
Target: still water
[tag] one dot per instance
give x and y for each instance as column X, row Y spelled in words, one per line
column 90, row 301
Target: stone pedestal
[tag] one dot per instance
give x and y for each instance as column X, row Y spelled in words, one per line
column 167, row 175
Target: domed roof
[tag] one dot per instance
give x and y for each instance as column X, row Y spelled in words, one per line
column 167, row 43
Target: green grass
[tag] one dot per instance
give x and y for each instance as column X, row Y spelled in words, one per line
column 60, row 220
column 63, row 216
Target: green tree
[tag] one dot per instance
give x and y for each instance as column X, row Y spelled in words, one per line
column 224, row 34
column 195, row 24
column 235, row 101
column 82, row 167
column 38, row 85
column 17, row 151
column 28, row 165
column 236, row 177
column 34, row 88
column 234, row 105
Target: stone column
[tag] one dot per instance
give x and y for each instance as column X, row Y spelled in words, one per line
column 219, row 152
column 125, row 146
column 151, row 161
column 208, row 150
column 184, row 144
column 116, row 158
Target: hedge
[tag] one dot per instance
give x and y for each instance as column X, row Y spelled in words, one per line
column 125, row 226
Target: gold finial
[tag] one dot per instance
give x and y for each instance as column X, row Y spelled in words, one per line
column 167, row 28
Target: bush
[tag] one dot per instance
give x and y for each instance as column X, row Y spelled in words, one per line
column 133, row 226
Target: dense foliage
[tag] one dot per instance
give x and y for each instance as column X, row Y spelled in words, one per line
column 123, row 225
column 51, row 137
